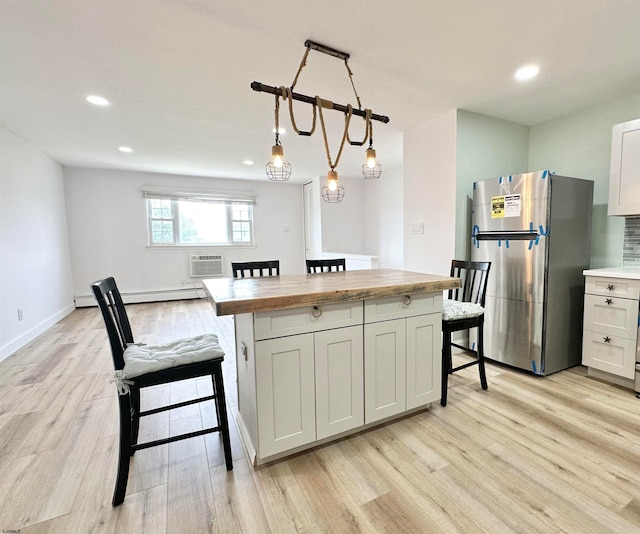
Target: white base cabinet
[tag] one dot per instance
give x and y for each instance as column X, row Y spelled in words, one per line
column 611, row 325
column 402, row 360
column 308, row 374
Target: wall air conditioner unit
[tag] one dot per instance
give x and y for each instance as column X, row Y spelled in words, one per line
column 206, row 266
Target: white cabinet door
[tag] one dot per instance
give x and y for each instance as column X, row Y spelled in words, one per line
column 384, row 369
column 339, row 381
column 624, row 177
column 423, row 359
column 285, row 393
column 611, row 315
column 615, row 355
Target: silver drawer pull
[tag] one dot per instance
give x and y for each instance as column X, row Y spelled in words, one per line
column 610, row 287
column 407, row 300
column 317, row 312
column 244, row 351
column 609, row 301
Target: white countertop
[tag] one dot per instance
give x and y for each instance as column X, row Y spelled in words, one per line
column 632, row 273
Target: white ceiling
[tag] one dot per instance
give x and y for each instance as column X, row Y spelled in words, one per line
column 178, row 73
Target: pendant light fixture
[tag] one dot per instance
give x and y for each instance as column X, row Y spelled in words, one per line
column 279, row 169
column 332, row 191
column 372, row 169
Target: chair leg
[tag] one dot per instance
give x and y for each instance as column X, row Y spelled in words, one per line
column 223, row 421
column 446, row 366
column 483, row 374
column 124, row 403
column 135, row 416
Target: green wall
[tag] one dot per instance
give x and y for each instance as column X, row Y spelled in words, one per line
column 579, row 145
column 486, row 147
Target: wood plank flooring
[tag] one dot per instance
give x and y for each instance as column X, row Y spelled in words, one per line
column 554, row 454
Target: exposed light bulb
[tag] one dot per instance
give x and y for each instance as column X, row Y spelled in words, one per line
column 371, row 158
column 277, row 161
column 332, row 180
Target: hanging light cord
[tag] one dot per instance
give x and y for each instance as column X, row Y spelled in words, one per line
column 347, row 118
column 277, row 113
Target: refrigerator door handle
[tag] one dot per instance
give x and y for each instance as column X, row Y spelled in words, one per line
column 516, row 235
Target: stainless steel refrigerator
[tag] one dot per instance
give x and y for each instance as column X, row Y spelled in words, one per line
column 535, row 229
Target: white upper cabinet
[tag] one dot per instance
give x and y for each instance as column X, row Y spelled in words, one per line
column 624, row 179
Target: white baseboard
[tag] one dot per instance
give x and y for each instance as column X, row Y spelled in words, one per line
column 84, row 301
column 16, row 344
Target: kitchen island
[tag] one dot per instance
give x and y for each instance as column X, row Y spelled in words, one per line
column 322, row 356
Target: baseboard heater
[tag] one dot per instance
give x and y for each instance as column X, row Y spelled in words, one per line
column 158, row 295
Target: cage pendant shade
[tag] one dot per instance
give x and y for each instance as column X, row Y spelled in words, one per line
column 372, row 169
column 278, row 169
column 332, row 192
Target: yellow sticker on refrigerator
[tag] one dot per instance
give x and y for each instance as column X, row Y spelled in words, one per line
column 506, row 206
column 497, row 207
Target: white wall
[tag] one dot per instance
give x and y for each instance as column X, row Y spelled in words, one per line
column 343, row 222
column 383, row 222
column 430, row 194
column 108, row 230
column 35, row 266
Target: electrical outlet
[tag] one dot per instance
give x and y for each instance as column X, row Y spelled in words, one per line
column 19, row 314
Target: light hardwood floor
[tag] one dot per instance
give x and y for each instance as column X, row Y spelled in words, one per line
column 554, row 454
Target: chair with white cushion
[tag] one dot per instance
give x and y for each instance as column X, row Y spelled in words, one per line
column 464, row 309
column 139, row 366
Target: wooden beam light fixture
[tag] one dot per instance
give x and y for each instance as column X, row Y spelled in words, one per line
column 278, row 169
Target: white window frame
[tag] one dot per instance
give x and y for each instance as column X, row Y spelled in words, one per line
column 229, row 201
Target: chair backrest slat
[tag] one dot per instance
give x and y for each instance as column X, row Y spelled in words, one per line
column 115, row 318
column 473, row 276
column 255, row 268
column 325, row 266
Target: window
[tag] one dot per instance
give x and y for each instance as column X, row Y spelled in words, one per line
column 198, row 219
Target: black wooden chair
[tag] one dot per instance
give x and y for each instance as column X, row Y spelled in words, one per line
column 139, row 366
column 326, row 266
column 242, row 269
column 464, row 309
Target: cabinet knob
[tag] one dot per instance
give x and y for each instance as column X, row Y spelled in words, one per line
column 610, row 287
column 317, row 312
column 607, row 339
column 609, row 301
column 407, row 300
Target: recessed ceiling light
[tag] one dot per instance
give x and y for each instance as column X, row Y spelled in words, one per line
column 248, row 162
column 125, row 149
column 281, row 131
column 526, row 73
column 97, row 100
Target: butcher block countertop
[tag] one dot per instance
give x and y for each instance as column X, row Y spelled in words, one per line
column 247, row 295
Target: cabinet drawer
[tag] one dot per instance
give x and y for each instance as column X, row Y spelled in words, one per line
column 611, row 315
column 613, row 287
column 615, row 355
column 387, row 308
column 281, row 323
